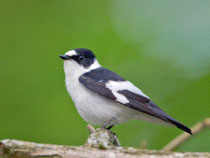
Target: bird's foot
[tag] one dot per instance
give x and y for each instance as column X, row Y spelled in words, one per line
column 103, row 138
column 108, row 129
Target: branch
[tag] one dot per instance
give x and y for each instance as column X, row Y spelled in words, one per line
column 22, row 149
column 179, row 140
column 101, row 143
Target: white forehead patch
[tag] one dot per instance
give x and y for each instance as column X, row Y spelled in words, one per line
column 71, row 53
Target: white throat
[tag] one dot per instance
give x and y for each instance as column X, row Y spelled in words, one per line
column 74, row 70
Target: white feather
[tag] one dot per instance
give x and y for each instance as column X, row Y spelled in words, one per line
column 116, row 86
column 95, row 108
column 92, row 107
column 120, row 98
column 71, row 53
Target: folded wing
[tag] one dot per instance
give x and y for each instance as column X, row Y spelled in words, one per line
column 112, row 86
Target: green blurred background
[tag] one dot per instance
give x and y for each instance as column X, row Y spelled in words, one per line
column 161, row 46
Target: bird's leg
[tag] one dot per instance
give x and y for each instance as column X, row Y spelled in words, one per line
column 108, row 123
column 110, row 127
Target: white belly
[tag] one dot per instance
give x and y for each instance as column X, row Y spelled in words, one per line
column 95, row 108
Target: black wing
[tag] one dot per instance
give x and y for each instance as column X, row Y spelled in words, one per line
column 96, row 80
column 147, row 106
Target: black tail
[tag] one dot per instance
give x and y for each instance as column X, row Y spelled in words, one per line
column 180, row 126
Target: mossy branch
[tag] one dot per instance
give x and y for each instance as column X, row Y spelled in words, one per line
column 101, row 143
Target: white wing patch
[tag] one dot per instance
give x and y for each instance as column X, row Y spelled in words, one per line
column 120, row 98
column 116, row 86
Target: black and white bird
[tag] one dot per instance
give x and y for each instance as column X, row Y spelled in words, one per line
column 104, row 98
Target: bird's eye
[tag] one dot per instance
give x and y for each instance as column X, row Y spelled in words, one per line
column 80, row 57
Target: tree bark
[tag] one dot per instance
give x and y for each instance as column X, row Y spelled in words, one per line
column 101, row 143
column 23, row 149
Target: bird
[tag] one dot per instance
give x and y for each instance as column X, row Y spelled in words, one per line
column 104, row 98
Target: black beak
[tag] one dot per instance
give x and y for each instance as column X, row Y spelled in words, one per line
column 64, row 57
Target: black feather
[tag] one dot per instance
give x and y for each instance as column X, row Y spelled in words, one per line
column 181, row 126
column 145, row 105
column 96, row 81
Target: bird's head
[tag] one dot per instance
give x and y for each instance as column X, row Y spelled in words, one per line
column 79, row 61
